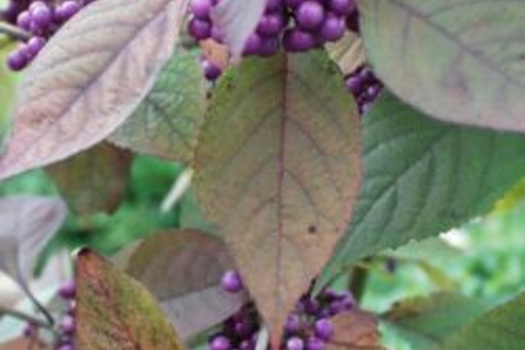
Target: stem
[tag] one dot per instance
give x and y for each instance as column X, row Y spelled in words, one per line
column 24, row 317
column 38, row 305
column 14, row 32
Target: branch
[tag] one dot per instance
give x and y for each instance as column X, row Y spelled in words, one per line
column 25, row 317
column 14, row 32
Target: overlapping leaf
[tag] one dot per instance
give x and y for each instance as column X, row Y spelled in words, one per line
column 95, row 180
column 183, row 270
column 355, row 330
column 89, row 78
column 427, row 322
column 278, row 169
column 500, row 328
column 115, row 312
column 347, row 52
column 423, row 177
column 458, row 60
column 167, row 122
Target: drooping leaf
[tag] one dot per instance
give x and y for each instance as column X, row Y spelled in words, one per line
column 167, row 121
column 183, row 270
column 459, row 61
column 424, row 177
column 500, row 328
column 89, row 78
column 95, row 180
column 355, row 330
column 434, row 249
column 27, row 224
column 347, row 52
column 278, row 170
column 237, row 20
column 427, row 322
column 115, row 312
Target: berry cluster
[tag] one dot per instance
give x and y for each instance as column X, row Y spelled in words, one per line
column 40, row 19
column 364, row 86
column 296, row 25
column 65, row 329
column 309, row 327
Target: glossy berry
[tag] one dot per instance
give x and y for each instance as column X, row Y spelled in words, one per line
column 314, row 343
column 24, row 20
column 342, row 7
column 324, row 329
column 67, row 10
column 271, row 24
column 199, row 29
column 41, row 16
column 293, row 324
column 310, row 15
column 211, row 71
column 66, row 347
column 273, row 5
column 220, row 343
column 296, row 40
column 231, row 281
column 16, row 61
column 333, row 28
column 67, row 325
column 201, row 8
column 295, row 343
column 67, row 290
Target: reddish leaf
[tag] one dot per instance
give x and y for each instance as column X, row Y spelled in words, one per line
column 114, row 312
column 89, row 78
column 95, row 180
column 278, row 170
column 237, row 19
column 183, row 270
column 355, row 330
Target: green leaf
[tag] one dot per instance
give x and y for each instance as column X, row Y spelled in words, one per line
column 115, row 312
column 459, row 61
column 278, row 170
column 500, row 328
column 433, row 249
column 426, row 322
column 167, row 121
column 95, row 180
column 423, row 177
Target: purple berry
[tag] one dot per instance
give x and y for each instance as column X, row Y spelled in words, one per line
column 220, row 342
column 231, row 281
column 24, row 20
column 273, row 5
column 16, row 61
column 295, row 343
column 310, row 15
column 296, row 40
column 66, row 10
column 216, row 34
column 333, row 28
column 211, row 71
column 41, row 16
column 199, row 29
column 314, row 343
column 253, row 45
column 271, row 24
column 293, row 324
column 201, row 8
column 354, row 84
column 324, row 329
column 66, row 346
column 292, row 3
column 247, row 344
column 269, row 46
column 342, row 7
column 35, row 44
column 67, row 290
column 67, row 325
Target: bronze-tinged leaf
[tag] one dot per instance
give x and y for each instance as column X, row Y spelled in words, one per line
column 115, row 312
column 215, row 53
column 355, row 330
column 89, row 78
column 95, row 180
column 348, row 52
column 459, row 61
column 183, row 270
column 278, row 170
